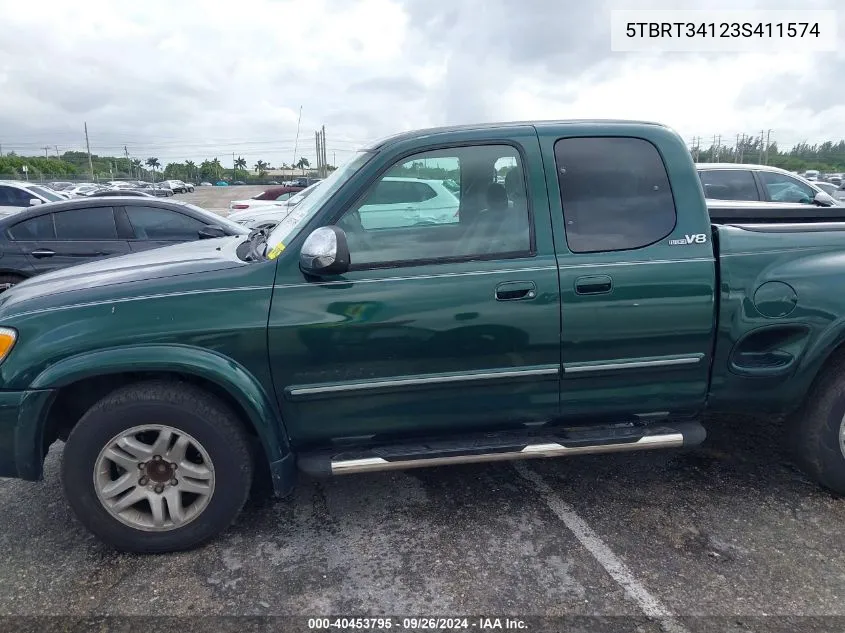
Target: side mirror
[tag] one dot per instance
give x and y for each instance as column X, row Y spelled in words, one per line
column 34, row 202
column 822, row 199
column 211, row 231
column 325, row 252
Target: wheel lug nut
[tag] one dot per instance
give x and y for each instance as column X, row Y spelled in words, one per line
column 159, row 489
column 174, row 482
column 142, row 465
column 142, row 481
column 156, row 458
column 172, row 466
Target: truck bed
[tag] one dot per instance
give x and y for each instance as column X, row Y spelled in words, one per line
column 732, row 212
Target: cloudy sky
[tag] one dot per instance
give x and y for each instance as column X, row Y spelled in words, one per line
column 180, row 80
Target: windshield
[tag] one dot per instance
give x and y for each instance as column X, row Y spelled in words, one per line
column 44, row 193
column 292, row 224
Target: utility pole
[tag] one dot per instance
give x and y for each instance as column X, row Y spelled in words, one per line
column 57, row 151
column 323, row 171
column 1, row 150
column 768, row 136
column 296, row 142
column 88, row 147
column 741, row 148
column 234, row 168
column 334, row 159
column 761, row 145
column 736, row 150
column 317, row 149
column 46, row 149
column 128, row 161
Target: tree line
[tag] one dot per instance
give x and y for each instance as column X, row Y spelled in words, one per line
column 825, row 157
column 74, row 166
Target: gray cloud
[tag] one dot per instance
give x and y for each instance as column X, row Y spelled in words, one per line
column 200, row 84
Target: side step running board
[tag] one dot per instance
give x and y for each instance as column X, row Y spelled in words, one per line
column 504, row 446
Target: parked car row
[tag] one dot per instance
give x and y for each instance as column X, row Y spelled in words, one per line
column 164, row 188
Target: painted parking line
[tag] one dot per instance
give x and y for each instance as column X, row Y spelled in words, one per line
column 650, row 605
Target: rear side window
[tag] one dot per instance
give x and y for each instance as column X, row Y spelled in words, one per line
column 38, row 228
column 152, row 223
column 96, row 223
column 615, row 193
column 729, row 184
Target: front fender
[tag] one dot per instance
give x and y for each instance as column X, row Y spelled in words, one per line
column 261, row 410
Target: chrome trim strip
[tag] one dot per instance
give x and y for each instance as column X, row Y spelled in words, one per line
column 429, row 380
column 372, row 464
column 636, row 364
column 413, row 277
column 500, row 271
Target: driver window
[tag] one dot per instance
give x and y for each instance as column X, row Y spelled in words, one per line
column 453, row 204
column 782, row 188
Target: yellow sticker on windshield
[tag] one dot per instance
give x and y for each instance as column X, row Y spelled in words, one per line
column 276, row 251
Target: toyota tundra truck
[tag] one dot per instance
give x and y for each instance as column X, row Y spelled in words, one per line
column 582, row 298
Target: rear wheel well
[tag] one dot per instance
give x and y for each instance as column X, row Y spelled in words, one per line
column 73, row 400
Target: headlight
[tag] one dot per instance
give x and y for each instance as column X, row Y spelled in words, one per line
column 8, row 336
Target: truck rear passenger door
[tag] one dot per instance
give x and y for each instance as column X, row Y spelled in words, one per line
column 637, row 274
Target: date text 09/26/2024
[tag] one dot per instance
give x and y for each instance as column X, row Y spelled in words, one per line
column 417, row 624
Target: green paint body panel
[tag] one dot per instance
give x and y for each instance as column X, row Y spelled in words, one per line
column 742, row 321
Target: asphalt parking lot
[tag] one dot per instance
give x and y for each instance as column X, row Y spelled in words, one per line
column 217, row 198
column 728, row 529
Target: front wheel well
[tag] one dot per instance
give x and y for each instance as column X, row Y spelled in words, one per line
column 73, row 400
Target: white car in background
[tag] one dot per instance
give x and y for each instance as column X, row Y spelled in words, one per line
column 397, row 202
column 83, row 189
column 267, row 213
column 15, row 195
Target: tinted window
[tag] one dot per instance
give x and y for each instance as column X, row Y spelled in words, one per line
column 44, row 193
column 96, row 223
column 409, row 215
column 729, row 184
column 162, row 224
column 783, row 188
column 14, row 197
column 615, row 193
column 38, row 228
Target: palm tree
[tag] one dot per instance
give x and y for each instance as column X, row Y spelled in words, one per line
column 261, row 167
column 153, row 163
column 217, row 167
column 302, row 163
column 136, row 166
column 191, row 166
column 240, row 163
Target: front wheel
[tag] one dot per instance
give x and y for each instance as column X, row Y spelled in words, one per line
column 157, row 467
column 819, row 430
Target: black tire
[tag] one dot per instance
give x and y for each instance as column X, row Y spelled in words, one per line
column 817, row 426
column 185, row 408
column 9, row 279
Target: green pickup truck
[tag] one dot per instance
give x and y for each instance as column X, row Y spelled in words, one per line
column 581, row 299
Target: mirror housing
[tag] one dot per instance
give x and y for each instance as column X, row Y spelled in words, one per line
column 211, row 231
column 34, row 202
column 325, row 252
column 822, row 199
